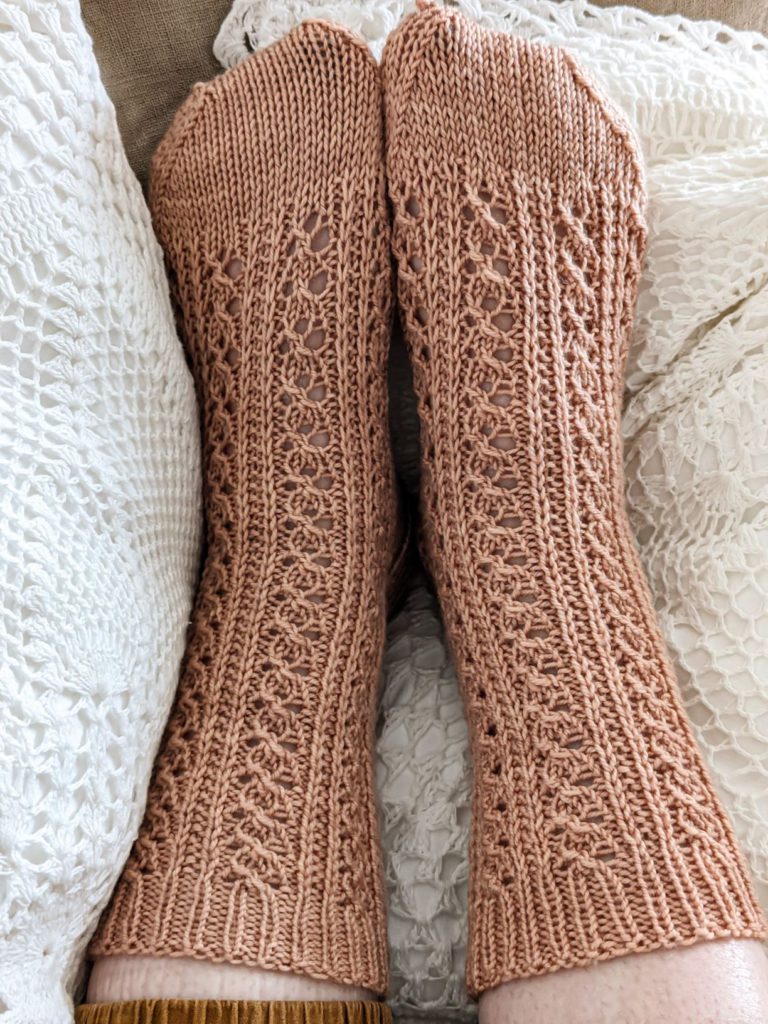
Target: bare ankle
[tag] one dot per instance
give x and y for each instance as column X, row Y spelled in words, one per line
column 704, row 984
column 118, row 978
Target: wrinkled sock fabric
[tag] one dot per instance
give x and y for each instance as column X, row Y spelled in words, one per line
column 260, row 843
column 519, row 232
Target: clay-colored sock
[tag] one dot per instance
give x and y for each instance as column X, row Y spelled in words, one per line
column 519, row 234
column 260, row 842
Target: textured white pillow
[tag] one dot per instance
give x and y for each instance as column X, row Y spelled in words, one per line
column 99, row 499
column 696, row 455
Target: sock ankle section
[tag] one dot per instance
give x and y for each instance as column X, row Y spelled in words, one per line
column 260, row 841
column 519, row 233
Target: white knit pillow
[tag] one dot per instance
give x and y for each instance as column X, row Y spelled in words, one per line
column 100, row 494
column 696, row 455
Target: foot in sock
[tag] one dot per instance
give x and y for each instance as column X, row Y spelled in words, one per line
column 260, row 842
column 517, row 198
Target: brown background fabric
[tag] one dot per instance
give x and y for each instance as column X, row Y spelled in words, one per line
column 752, row 14
column 152, row 51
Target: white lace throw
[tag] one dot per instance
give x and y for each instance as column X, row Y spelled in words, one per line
column 696, row 434
column 99, row 500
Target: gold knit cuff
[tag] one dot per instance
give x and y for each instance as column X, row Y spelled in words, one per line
column 231, row 1011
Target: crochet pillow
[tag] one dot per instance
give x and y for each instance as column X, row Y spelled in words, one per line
column 99, row 485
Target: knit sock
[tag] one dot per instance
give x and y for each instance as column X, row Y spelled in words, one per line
column 517, row 198
column 260, row 841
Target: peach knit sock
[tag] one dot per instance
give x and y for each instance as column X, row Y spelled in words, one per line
column 519, row 234
column 260, row 842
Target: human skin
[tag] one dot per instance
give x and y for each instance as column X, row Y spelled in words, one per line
column 722, row 982
column 118, row 978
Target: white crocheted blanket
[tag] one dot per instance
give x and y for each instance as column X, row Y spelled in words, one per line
column 99, row 500
column 696, row 447
column 98, row 477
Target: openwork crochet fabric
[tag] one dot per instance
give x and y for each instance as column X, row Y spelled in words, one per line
column 696, row 442
column 99, row 487
column 696, row 459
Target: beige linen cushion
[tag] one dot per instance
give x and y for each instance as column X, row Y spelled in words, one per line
column 150, row 53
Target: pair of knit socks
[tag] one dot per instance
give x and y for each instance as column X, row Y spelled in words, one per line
column 517, row 225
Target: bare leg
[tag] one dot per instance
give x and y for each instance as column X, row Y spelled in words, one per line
column 711, row 983
column 118, row 978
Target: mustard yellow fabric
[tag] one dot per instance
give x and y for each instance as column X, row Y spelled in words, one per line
column 221, row 1011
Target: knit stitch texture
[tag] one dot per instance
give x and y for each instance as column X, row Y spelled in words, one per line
column 260, row 844
column 695, row 447
column 519, row 235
